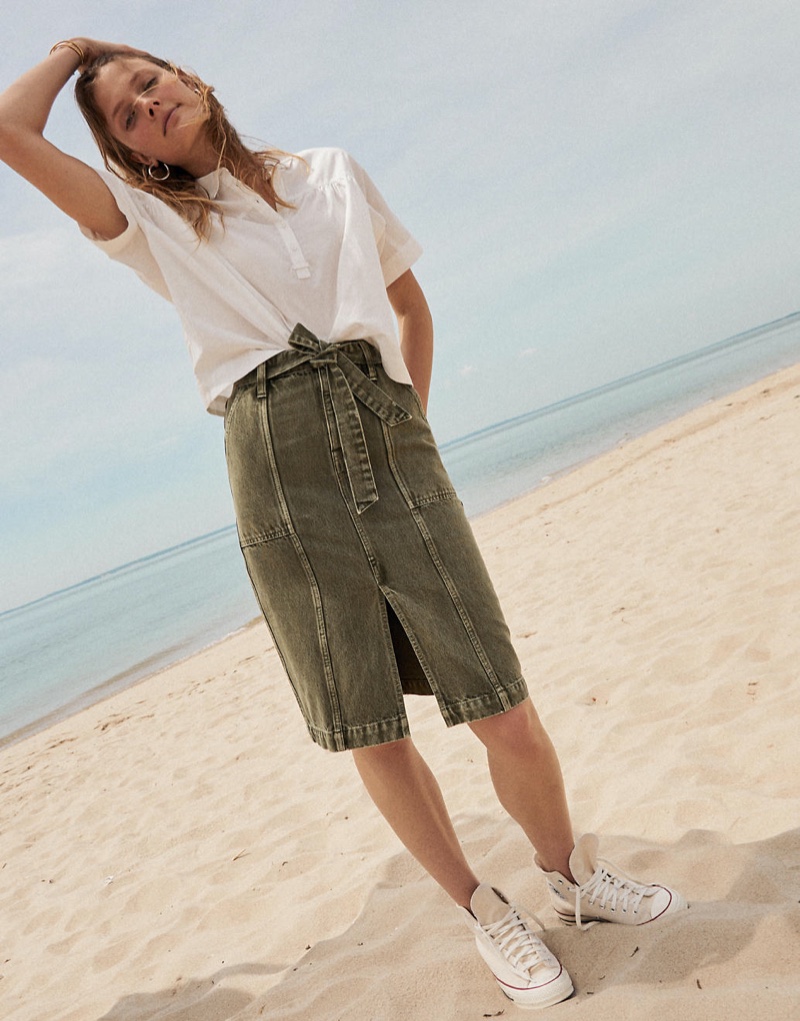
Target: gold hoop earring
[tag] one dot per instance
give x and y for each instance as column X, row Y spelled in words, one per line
column 162, row 177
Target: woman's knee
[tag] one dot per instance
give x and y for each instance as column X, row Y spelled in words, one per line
column 516, row 730
column 382, row 755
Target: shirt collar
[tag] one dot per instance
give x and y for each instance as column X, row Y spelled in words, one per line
column 211, row 182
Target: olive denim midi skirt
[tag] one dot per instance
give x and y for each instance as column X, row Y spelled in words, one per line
column 358, row 549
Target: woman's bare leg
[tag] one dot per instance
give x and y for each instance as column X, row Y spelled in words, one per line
column 406, row 793
column 527, row 778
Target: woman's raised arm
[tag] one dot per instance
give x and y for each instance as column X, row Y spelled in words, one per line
column 24, row 108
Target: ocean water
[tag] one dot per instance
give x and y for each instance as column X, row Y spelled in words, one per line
column 510, row 458
column 78, row 645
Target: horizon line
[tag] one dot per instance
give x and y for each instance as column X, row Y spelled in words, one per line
column 695, row 355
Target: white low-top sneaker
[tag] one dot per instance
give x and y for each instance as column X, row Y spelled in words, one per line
column 526, row 971
column 605, row 894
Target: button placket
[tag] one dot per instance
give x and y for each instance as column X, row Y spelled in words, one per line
column 299, row 262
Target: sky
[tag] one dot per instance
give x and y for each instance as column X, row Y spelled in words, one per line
column 598, row 186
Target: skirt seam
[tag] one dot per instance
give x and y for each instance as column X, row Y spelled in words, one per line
column 262, row 537
column 444, row 574
column 319, row 613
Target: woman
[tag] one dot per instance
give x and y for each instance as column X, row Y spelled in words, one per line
column 285, row 272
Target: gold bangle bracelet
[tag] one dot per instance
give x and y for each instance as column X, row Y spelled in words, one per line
column 73, row 46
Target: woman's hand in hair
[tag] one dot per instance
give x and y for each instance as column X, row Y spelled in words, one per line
column 94, row 48
column 25, row 107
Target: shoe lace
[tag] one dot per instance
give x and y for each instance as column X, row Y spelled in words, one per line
column 611, row 890
column 518, row 943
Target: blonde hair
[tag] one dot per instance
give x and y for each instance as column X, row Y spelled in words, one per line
column 180, row 191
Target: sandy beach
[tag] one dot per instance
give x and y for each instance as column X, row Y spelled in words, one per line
column 183, row 852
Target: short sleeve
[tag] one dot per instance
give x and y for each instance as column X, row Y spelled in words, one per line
column 397, row 248
column 131, row 246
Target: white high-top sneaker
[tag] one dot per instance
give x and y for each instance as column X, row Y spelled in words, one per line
column 605, row 894
column 526, row 971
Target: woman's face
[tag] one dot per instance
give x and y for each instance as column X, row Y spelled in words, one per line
column 155, row 114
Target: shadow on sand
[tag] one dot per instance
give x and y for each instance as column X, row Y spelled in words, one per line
column 406, row 953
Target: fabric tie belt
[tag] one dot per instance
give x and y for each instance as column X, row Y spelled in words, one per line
column 347, row 382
